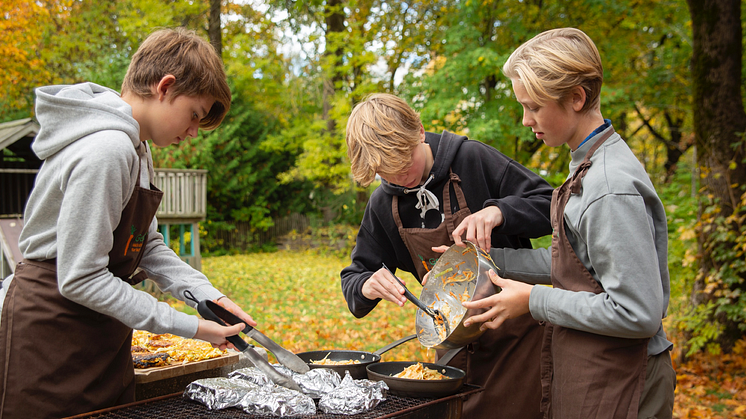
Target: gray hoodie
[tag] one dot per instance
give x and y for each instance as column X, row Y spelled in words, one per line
column 92, row 155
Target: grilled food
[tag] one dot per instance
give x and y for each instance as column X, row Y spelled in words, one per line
column 156, row 350
column 149, row 359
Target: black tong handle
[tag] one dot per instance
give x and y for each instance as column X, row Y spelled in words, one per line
column 213, row 312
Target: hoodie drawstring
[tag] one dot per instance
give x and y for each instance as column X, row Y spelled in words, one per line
column 426, row 200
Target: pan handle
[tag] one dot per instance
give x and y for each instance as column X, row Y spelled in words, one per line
column 394, row 344
column 448, row 356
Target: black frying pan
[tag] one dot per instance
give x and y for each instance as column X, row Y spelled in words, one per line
column 357, row 371
column 383, row 371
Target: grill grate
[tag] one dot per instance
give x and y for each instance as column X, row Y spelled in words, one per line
column 176, row 407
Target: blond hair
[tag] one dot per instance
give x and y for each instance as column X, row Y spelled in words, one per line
column 553, row 62
column 191, row 60
column 382, row 132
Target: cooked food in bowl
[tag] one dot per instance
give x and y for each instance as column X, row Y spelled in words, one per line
column 420, row 372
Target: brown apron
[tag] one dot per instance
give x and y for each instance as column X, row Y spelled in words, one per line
column 59, row 358
column 505, row 362
column 586, row 375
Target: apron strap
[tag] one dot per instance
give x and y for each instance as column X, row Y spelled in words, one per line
column 452, row 177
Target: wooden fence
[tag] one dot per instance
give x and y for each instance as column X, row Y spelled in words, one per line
column 242, row 236
column 184, row 195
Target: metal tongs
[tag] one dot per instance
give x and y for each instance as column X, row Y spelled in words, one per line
column 214, row 312
column 435, row 314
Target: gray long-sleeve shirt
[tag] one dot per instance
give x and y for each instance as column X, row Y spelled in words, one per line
column 617, row 227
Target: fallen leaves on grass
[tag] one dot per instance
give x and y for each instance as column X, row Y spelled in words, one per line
column 712, row 386
column 297, row 300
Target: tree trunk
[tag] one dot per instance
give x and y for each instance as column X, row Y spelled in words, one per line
column 213, row 29
column 335, row 25
column 718, row 118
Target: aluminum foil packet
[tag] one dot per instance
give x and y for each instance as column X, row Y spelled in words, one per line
column 277, row 401
column 269, row 399
column 252, row 375
column 218, row 393
column 316, row 382
column 353, row 396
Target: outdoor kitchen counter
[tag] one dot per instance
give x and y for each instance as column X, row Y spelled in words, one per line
column 174, row 406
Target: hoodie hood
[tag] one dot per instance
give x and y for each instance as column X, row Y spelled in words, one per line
column 63, row 107
column 444, row 147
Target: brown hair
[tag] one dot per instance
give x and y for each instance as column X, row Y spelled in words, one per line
column 553, row 62
column 191, row 60
column 382, row 133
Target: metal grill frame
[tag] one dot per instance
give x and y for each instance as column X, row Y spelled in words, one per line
column 174, row 406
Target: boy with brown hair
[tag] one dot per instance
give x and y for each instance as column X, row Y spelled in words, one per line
column 68, row 315
column 431, row 183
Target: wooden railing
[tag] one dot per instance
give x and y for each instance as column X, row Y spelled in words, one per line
column 184, row 195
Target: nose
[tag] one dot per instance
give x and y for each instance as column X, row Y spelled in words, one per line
column 527, row 120
column 193, row 129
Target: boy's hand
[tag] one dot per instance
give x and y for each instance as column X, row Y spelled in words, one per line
column 383, row 285
column 478, row 227
column 229, row 305
column 509, row 303
column 216, row 334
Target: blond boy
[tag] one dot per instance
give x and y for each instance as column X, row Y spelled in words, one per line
column 430, row 184
column 608, row 264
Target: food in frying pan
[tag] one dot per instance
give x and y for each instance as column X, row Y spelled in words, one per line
column 157, row 350
column 420, row 372
column 327, row 361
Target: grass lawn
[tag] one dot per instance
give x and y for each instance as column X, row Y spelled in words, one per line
column 296, row 299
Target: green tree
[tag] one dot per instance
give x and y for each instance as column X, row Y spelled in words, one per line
column 720, row 124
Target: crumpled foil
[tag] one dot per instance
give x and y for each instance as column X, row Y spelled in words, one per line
column 269, row 399
column 218, row 393
column 353, row 396
column 277, row 401
column 251, row 390
column 251, row 374
column 316, row 382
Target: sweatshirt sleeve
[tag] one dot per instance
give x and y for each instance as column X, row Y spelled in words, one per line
column 621, row 249
column 364, row 259
column 367, row 257
column 95, row 186
column 524, row 199
column 170, row 273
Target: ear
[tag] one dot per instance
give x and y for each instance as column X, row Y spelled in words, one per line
column 422, row 133
column 162, row 87
column 578, row 98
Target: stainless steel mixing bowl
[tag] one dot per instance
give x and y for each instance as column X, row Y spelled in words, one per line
column 461, row 274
